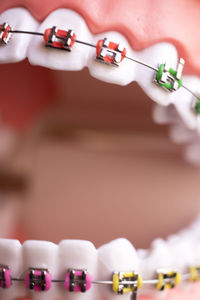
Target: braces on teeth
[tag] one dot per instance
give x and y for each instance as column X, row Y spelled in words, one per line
column 79, row 280
column 109, row 53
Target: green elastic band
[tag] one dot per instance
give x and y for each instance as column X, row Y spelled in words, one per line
column 160, row 72
column 197, row 107
column 167, row 84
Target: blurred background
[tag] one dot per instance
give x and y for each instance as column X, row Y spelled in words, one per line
column 80, row 158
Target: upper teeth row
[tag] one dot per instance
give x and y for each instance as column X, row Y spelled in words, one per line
column 109, row 53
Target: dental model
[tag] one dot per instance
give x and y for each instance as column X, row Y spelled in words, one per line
column 38, row 276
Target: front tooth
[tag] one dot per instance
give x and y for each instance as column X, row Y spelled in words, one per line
column 41, row 255
column 58, row 59
column 16, row 49
column 118, row 255
column 77, row 254
column 156, row 55
column 11, row 255
column 122, row 74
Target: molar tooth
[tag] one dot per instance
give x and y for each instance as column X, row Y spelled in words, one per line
column 181, row 134
column 124, row 73
column 192, row 152
column 64, row 19
column 158, row 257
column 181, row 99
column 11, row 255
column 37, row 255
column 164, row 114
column 197, row 253
column 77, row 254
column 118, row 255
column 183, row 102
column 195, row 227
column 181, row 252
column 16, row 49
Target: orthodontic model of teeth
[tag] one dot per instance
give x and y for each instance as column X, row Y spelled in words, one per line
column 110, row 53
column 78, row 280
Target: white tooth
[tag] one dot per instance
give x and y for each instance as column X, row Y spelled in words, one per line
column 197, row 253
column 41, row 254
column 181, row 134
column 118, row 255
column 16, row 49
column 124, row 73
column 77, row 254
column 183, row 101
column 11, row 255
column 192, row 236
column 142, row 253
column 157, row 258
column 164, row 114
column 192, row 152
column 195, row 227
column 57, row 59
column 156, row 55
column 181, row 252
column 184, row 252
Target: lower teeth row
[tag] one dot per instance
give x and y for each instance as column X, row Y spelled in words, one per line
column 79, row 280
